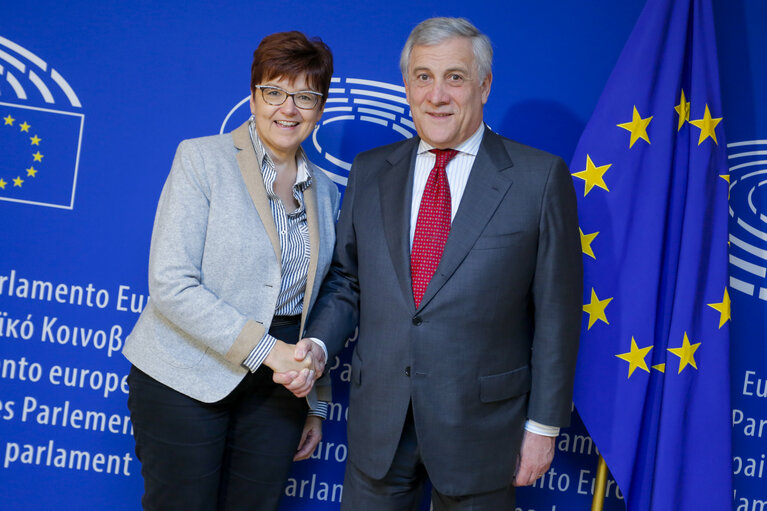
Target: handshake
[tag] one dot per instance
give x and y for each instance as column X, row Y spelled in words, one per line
column 298, row 366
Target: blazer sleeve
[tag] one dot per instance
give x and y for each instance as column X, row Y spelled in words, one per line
column 175, row 260
column 557, row 295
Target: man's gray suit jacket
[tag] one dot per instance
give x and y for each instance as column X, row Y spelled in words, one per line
column 494, row 341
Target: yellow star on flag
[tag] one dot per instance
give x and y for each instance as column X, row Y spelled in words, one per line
column 635, row 357
column 586, row 240
column 596, row 309
column 2, row 183
column 37, row 156
column 31, row 171
column 683, row 109
column 593, row 175
column 637, row 127
column 707, row 126
column 660, row 367
column 18, row 181
column 35, row 140
column 726, row 177
column 25, row 126
column 8, row 120
column 686, row 353
column 723, row 308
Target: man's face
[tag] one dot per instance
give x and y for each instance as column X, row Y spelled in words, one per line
column 444, row 92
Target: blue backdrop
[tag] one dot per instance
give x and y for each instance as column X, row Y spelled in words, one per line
column 94, row 98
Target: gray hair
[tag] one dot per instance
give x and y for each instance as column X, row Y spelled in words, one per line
column 436, row 30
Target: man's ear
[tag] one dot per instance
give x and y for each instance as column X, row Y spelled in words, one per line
column 486, row 83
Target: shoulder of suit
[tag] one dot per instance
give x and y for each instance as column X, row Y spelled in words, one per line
column 385, row 150
column 211, row 143
column 522, row 153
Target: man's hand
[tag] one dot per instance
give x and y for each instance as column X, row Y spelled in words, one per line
column 310, row 437
column 301, row 383
column 307, row 346
column 535, row 457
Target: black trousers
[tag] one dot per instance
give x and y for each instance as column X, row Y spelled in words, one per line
column 231, row 455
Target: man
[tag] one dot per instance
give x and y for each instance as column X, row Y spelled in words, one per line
column 467, row 290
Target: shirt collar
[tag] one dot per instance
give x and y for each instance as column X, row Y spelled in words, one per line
column 303, row 171
column 468, row 146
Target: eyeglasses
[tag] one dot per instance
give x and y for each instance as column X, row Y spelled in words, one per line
column 303, row 99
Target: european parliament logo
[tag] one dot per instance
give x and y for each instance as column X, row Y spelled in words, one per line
column 39, row 145
column 359, row 114
column 748, row 217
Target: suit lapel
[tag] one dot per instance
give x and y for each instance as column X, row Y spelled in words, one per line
column 487, row 185
column 396, row 189
column 250, row 168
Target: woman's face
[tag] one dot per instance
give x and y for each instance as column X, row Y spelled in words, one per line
column 282, row 128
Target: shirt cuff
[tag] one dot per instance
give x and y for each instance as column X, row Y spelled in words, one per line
column 320, row 411
column 259, row 353
column 321, row 345
column 541, row 429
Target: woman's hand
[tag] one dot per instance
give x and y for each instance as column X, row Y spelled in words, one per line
column 310, row 437
column 301, row 383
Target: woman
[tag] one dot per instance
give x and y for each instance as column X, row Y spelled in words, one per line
column 242, row 240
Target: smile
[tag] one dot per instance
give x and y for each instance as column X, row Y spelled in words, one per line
column 287, row 124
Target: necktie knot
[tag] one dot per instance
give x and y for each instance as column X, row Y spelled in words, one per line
column 443, row 157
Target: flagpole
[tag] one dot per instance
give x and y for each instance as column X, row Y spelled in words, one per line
column 598, row 500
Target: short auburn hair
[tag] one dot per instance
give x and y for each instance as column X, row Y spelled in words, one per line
column 290, row 54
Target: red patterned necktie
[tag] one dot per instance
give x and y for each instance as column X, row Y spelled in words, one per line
column 432, row 226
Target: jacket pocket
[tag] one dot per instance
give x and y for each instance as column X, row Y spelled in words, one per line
column 497, row 241
column 497, row 387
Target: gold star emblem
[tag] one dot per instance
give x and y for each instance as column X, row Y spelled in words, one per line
column 37, row 156
column 35, row 140
column 586, row 240
column 8, row 120
column 2, row 183
column 637, row 127
column 596, row 309
column 683, row 110
column 31, row 172
column 707, row 126
column 686, row 353
column 726, row 177
column 18, row 181
column 25, row 126
column 723, row 308
column 593, row 175
column 660, row 367
column 635, row 357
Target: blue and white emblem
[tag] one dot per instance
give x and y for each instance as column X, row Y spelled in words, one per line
column 748, row 213
column 41, row 127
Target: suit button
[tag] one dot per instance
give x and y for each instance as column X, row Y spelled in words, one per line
column 407, row 371
column 417, row 320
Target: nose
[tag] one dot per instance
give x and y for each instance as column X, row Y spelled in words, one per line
column 437, row 94
column 289, row 106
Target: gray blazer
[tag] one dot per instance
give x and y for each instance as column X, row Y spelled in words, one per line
column 214, row 266
column 495, row 337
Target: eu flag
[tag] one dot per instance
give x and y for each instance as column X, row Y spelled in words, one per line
column 652, row 384
column 39, row 154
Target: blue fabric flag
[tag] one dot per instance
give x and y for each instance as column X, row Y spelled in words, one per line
column 652, row 384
